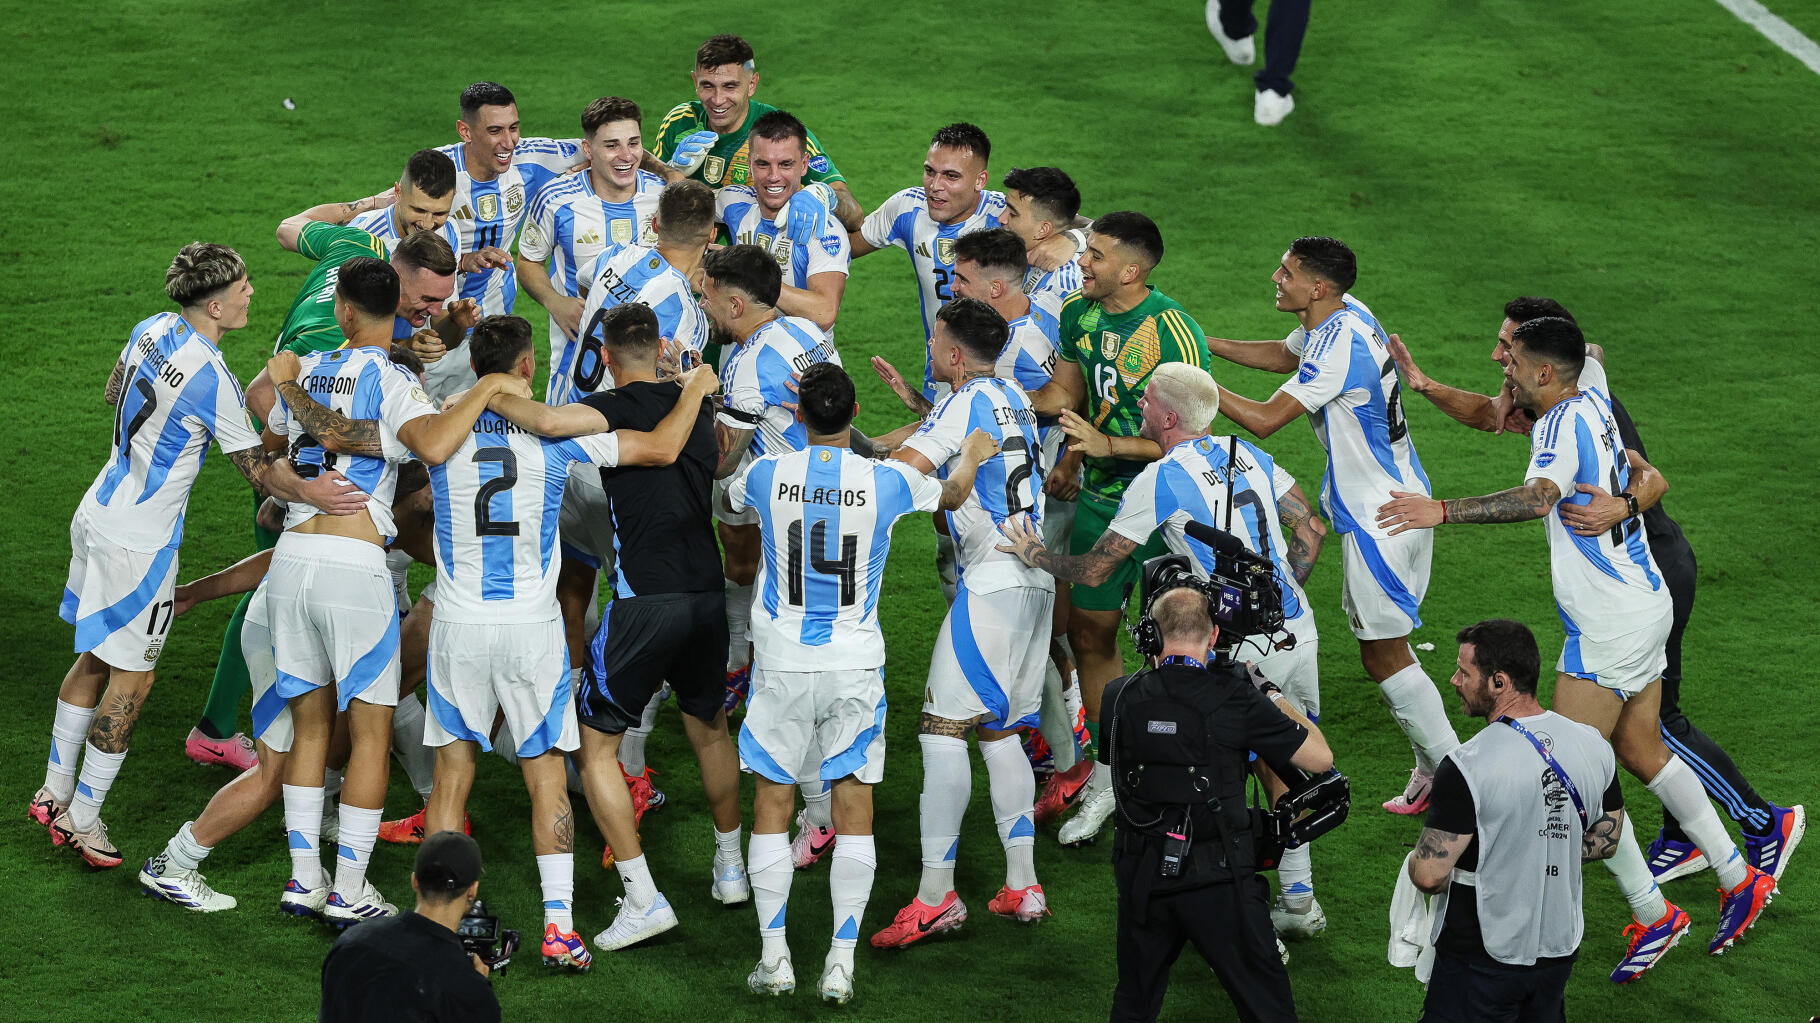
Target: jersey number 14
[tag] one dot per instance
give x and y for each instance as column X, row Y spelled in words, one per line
column 843, row 568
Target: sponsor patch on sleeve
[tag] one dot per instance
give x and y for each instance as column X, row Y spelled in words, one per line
column 1545, row 459
column 819, row 164
column 1308, row 372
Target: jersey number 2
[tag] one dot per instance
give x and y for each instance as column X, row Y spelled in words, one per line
column 843, row 568
column 484, row 523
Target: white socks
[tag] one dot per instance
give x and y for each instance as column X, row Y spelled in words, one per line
column 769, row 868
column 635, row 874
column 184, row 851
column 1053, row 722
column 726, row 846
column 359, row 830
column 818, row 803
column 1013, row 789
column 1295, row 873
column 1416, row 704
column 739, row 625
column 303, row 832
column 556, row 875
column 97, row 776
column 1635, row 882
column 69, row 730
column 1680, row 792
column 632, row 743
column 418, row 760
column 855, row 861
column 947, row 782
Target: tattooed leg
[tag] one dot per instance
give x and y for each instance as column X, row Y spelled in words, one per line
column 118, row 712
column 552, row 817
column 449, row 795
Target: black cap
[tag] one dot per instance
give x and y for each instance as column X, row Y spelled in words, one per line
column 447, row 861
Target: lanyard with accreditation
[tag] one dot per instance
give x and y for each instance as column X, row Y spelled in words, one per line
column 1552, row 764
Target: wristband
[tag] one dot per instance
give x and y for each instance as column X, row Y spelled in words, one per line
column 1443, row 511
column 1631, row 500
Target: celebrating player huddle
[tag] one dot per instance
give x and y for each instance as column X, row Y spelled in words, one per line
column 740, row 522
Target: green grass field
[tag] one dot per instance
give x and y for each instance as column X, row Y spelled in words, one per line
column 1653, row 166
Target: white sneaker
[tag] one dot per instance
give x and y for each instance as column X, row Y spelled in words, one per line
column 730, row 887
column 1242, row 52
column 300, row 901
column 187, row 888
column 811, row 842
column 836, row 984
column 1302, row 918
column 1096, row 806
column 777, row 978
column 1272, row 106
column 632, row 926
column 370, row 905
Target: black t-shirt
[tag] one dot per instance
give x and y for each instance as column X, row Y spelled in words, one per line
column 662, row 516
column 1451, row 809
column 1666, row 540
column 403, row 969
column 1240, row 720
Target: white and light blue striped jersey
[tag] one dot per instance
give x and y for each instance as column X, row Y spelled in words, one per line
column 380, row 224
column 737, row 207
column 904, row 221
column 359, row 383
column 1606, row 586
column 570, row 225
column 489, row 212
column 756, row 381
column 1349, row 384
column 622, row 273
column 1050, row 288
column 176, row 394
column 1029, row 358
column 825, row 518
column 497, row 499
column 1188, row 484
column 1009, row 483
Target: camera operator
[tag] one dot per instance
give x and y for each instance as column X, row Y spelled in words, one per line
column 1183, row 855
column 412, row 966
column 1514, row 812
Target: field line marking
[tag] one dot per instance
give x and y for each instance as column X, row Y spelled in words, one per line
column 1776, row 31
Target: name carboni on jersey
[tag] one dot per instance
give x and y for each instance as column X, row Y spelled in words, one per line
column 317, row 383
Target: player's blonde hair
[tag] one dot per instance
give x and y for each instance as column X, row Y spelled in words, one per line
column 200, row 270
column 1190, row 392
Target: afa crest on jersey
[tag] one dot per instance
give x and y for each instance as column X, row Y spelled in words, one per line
column 944, row 251
column 487, row 206
column 515, row 199
column 781, row 247
column 1141, row 353
column 622, row 231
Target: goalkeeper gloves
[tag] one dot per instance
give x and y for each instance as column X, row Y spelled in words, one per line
column 805, row 216
column 692, row 150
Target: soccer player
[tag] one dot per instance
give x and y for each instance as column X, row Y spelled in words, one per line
column 925, row 222
column 498, row 175
column 1771, row 832
column 496, row 643
column 707, row 138
column 665, row 622
column 986, row 675
column 333, row 608
column 172, row 394
column 1191, row 483
column 1118, row 329
column 1348, row 387
column 817, row 712
column 1617, row 612
column 582, row 215
column 777, row 213
column 419, row 202
column 741, row 285
column 1040, row 204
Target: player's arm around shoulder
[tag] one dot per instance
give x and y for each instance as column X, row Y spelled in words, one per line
column 664, row 444
column 434, row 437
column 334, row 431
column 1306, row 531
column 878, row 230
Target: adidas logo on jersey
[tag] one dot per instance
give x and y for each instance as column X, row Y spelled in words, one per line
column 923, row 250
column 466, row 212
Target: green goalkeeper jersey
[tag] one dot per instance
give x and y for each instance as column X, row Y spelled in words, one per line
column 728, row 161
column 1116, row 353
column 309, row 325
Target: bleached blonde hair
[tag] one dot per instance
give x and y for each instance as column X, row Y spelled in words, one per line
column 1190, row 392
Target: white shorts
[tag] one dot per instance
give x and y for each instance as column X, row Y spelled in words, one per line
column 586, row 524
column 804, row 726
column 334, row 619
column 477, row 671
column 1624, row 664
column 1383, row 581
column 271, row 714
column 1296, row 672
column 746, row 517
column 118, row 600
column 989, row 658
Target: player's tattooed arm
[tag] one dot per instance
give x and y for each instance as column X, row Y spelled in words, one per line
column 1600, row 841
column 1024, row 540
column 733, row 445
column 1436, row 853
column 252, row 464
column 933, row 725
column 115, row 381
column 332, row 430
column 291, row 229
column 1532, row 500
column 1306, row 531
